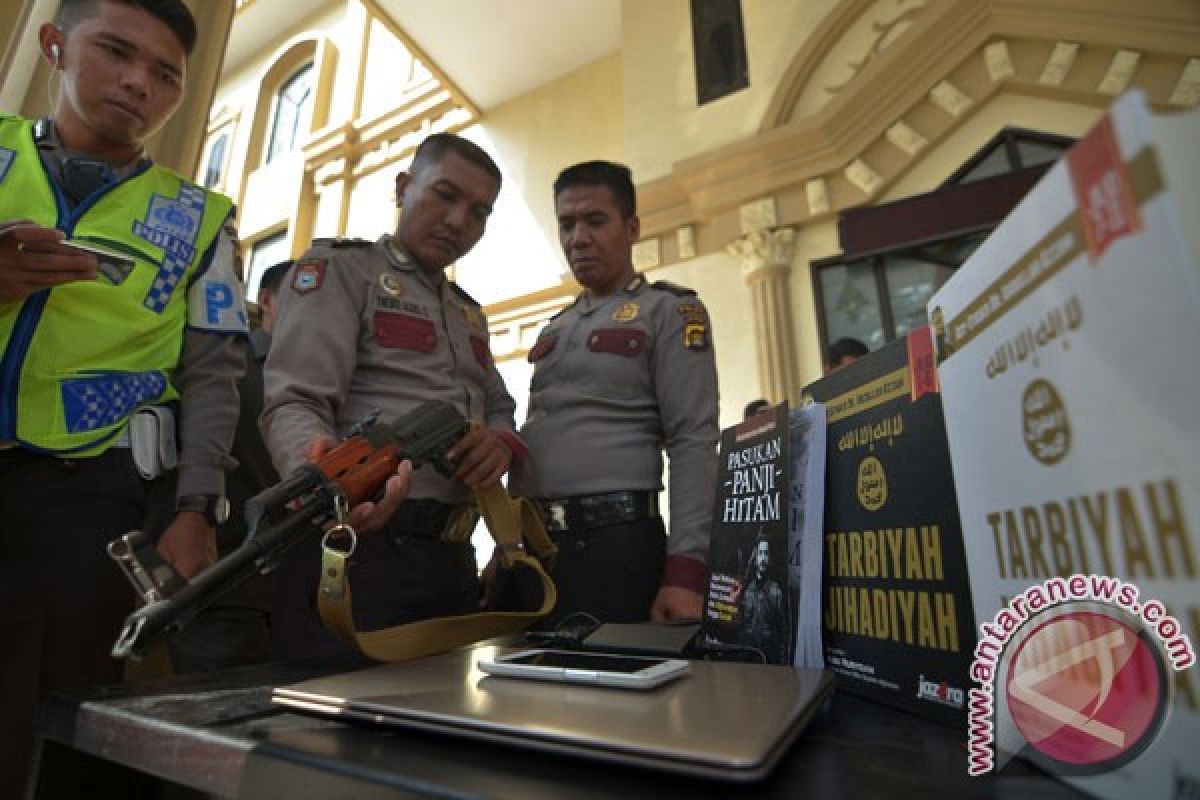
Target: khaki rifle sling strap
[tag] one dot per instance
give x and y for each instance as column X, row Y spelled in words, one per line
column 509, row 521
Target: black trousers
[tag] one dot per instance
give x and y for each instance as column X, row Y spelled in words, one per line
column 395, row 578
column 612, row 573
column 62, row 599
column 235, row 630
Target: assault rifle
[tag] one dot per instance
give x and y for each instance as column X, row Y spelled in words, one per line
column 281, row 516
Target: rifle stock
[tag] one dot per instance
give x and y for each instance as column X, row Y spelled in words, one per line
column 283, row 514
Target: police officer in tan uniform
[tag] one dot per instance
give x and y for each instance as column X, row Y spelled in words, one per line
column 623, row 373
column 376, row 327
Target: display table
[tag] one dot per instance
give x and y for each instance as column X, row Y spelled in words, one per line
column 221, row 735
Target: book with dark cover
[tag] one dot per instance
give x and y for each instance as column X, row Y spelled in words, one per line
column 748, row 604
column 897, row 617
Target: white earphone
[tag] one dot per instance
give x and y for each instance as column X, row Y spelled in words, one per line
column 56, row 54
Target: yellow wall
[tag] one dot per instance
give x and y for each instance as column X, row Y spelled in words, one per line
column 269, row 201
column 698, row 165
column 663, row 124
column 718, row 281
column 814, row 242
column 532, row 137
column 1004, row 110
column 578, row 117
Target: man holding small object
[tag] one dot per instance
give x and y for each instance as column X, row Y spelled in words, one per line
column 375, row 327
column 112, row 266
column 93, row 370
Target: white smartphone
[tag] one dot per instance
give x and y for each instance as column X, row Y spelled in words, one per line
column 113, row 267
column 592, row 669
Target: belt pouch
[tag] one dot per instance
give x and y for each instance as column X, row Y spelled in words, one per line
column 152, row 441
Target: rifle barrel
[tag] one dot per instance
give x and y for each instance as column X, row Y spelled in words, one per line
column 215, row 582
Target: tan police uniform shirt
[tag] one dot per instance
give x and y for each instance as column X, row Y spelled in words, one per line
column 362, row 328
column 616, row 380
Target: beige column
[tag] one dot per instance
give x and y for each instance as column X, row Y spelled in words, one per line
column 765, row 257
column 22, row 83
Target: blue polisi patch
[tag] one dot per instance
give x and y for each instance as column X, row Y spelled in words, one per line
column 172, row 225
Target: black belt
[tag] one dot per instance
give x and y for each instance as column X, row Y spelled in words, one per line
column 426, row 518
column 16, row 454
column 597, row 510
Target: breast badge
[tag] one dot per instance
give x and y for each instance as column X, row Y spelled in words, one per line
column 391, row 284
column 626, row 313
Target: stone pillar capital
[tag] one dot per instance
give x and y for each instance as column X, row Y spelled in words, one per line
column 765, row 256
column 759, row 251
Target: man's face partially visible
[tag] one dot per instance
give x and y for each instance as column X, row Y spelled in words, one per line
column 843, row 361
column 269, row 309
column 122, row 77
column 445, row 208
column 596, row 239
column 762, row 559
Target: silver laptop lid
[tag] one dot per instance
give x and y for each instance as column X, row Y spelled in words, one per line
column 724, row 720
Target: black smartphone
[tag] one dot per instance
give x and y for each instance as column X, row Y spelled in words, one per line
column 114, row 267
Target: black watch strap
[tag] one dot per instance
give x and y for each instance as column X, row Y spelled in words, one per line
column 214, row 507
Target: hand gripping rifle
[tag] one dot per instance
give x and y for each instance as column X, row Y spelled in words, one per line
column 281, row 516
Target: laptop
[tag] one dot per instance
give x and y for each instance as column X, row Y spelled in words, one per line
column 727, row 721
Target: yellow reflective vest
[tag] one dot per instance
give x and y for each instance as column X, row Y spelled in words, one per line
column 80, row 358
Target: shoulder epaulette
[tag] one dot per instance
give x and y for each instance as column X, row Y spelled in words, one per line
column 673, row 288
column 565, row 308
column 339, row 244
column 463, row 294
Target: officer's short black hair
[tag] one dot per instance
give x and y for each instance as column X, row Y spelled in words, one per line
column 843, row 348
column 435, row 147
column 174, row 14
column 273, row 276
column 616, row 177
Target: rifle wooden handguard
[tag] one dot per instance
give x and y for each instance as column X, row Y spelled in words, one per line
column 359, row 468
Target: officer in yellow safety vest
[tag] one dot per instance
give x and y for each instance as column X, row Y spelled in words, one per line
column 100, row 353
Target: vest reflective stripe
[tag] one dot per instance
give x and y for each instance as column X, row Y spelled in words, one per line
column 78, row 359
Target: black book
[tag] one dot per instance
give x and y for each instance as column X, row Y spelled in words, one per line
column 897, row 618
column 748, row 604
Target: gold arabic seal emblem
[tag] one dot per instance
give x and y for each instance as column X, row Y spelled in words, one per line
column 1044, row 423
column 872, row 484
